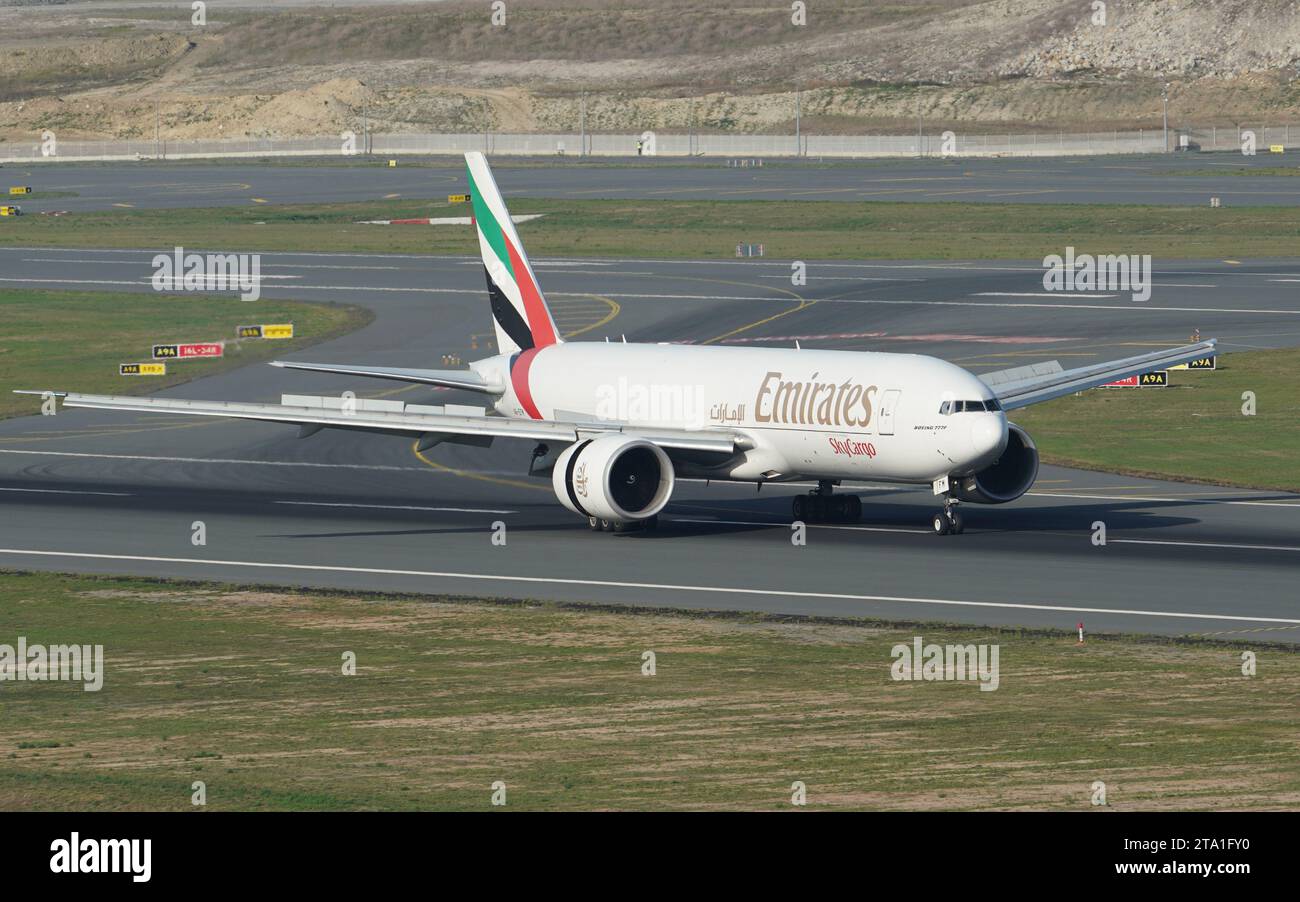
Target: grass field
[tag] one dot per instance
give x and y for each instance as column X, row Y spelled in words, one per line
column 74, row 340
column 243, row 689
column 1194, row 429
column 1269, row 171
column 698, row 229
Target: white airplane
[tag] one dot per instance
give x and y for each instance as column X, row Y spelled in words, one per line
column 617, row 423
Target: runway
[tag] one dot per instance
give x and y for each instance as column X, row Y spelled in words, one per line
column 1188, row 179
column 119, row 493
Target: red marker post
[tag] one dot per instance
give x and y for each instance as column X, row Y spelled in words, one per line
column 1080, row 632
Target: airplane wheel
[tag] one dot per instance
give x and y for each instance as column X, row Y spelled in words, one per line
column 606, row 525
column 593, row 523
column 800, row 507
column 956, row 523
column 619, row 526
column 939, row 523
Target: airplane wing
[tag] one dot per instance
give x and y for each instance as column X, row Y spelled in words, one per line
column 1043, row 382
column 429, row 422
column 463, row 379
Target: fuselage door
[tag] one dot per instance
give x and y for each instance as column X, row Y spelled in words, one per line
column 888, row 403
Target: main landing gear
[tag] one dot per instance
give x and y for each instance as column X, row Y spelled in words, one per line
column 599, row 524
column 820, row 506
column 948, row 521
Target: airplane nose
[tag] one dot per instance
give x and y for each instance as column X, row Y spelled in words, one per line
column 988, row 436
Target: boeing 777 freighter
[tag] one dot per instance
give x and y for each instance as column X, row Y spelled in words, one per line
column 615, row 424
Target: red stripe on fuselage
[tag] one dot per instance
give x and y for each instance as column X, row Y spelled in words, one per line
column 519, row 379
column 539, row 321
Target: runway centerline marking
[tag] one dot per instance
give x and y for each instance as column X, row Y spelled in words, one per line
column 622, row 584
column 401, row 507
column 1041, row 294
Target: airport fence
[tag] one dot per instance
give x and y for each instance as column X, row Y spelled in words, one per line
column 949, row 143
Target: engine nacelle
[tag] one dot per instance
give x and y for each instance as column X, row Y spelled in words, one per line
column 613, row 477
column 1010, row 476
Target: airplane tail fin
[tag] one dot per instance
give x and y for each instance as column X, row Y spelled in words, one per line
column 519, row 312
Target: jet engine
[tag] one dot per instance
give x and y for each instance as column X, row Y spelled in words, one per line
column 1010, row 476
column 613, row 477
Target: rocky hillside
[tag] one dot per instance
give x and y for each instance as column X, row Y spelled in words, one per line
column 91, row 69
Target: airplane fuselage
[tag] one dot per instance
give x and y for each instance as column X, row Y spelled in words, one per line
column 809, row 414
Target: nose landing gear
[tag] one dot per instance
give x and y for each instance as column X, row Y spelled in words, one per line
column 948, row 521
column 820, row 506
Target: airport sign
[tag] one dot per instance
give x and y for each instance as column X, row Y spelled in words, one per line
column 1156, row 378
column 1205, row 363
column 266, row 330
column 142, row 369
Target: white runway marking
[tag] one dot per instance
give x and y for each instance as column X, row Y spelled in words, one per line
column 786, row 524
column 957, row 265
column 1203, row 544
column 254, row 463
column 149, row 282
column 1173, row 500
column 141, row 262
column 399, row 507
column 926, row 532
column 68, row 492
column 218, row 460
column 1127, row 307
column 1040, row 294
column 782, row 277
column 619, row 584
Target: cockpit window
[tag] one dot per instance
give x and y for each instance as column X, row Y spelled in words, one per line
column 951, row 407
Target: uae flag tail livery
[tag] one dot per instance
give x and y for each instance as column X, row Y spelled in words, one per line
column 519, row 313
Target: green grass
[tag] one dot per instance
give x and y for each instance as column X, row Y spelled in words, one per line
column 74, row 340
column 242, row 689
column 1192, row 430
column 697, row 229
column 1272, row 171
